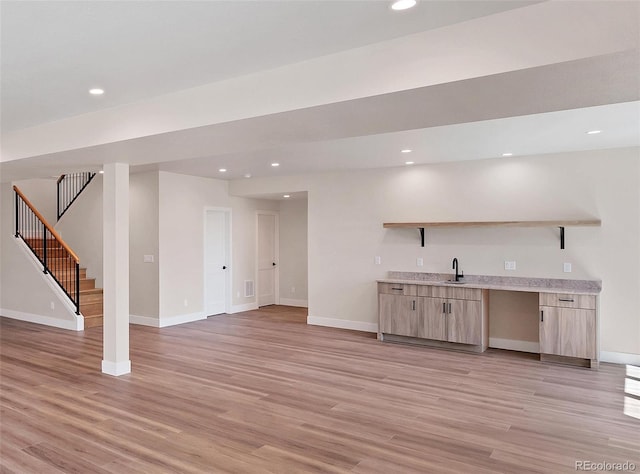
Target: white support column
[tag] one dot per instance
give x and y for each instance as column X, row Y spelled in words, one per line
column 116, row 269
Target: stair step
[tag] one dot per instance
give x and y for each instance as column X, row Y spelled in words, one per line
column 54, row 253
column 93, row 321
column 90, row 299
column 34, row 242
column 64, row 273
column 87, row 284
column 91, row 291
column 91, row 309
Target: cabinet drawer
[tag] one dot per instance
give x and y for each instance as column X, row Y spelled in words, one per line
column 464, row 293
column 450, row 293
column 432, row 291
column 561, row 300
column 397, row 289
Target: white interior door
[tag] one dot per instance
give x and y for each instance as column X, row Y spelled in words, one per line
column 267, row 259
column 216, row 265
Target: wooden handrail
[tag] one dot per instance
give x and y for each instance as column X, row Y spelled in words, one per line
column 46, row 224
column 60, row 178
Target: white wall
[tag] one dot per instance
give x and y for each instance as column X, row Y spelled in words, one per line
column 293, row 252
column 81, row 228
column 143, row 240
column 182, row 200
column 25, row 293
column 347, row 210
column 43, row 194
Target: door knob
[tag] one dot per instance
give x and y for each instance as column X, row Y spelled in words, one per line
column 224, row 267
column 274, row 264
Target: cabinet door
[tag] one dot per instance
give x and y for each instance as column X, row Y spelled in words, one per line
column 399, row 315
column 434, row 319
column 568, row 332
column 464, row 321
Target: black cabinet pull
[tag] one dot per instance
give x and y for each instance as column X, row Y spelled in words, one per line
column 413, row 305
column 566, row 300
column 541, row 316
column 444, row 308
column 449, row 308
column 397, row 289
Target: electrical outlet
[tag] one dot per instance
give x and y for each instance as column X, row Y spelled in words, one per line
column 237, row 294
column 566, row 267
column 53, row 305
column 509, row 265
column 419, row 262
column 377, row 260
column 186, row 303
column 293, row 290
column 148, row 259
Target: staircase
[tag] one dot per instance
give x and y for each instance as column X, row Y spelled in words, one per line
column 91, row 298
column 59, row 261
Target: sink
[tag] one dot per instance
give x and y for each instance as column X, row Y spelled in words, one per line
column 453, row 282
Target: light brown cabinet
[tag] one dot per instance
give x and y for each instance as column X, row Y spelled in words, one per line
column 434, row 319
column 568, row 326
column 438, row 314
column 464, row 322
column 399, row 315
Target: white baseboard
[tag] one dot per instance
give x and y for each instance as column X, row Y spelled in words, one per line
column 342, row 324
column 144, row 320
column 514, row 345
column 75, row 325
column 620, row 358
column 292, row 302
column 240, row 308
column 116, row 368
column 181, row 319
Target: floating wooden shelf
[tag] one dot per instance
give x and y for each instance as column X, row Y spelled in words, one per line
column 557, row 223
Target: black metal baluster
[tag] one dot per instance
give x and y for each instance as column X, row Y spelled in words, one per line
column 16, row 216
column 44, row 246
column 77, row 288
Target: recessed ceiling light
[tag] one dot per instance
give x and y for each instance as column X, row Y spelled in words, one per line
column 286, row 196
column 223, row 170
column 507, row 154
column 408, row 162
column 403, row 4
column 594, row 132
column 101, row 172
column 96, row 91
column 275, row 165
column 248, row 175
column 406, row 150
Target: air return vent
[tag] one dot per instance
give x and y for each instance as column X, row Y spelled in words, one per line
column 248, row 289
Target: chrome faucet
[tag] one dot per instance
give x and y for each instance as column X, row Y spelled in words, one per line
column 455, row 267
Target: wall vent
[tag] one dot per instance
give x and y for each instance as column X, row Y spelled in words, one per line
column 248, row 289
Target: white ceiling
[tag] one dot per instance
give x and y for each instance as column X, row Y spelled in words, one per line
column 52, row 52
column 551, row 132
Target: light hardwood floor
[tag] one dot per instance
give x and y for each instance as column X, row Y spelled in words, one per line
column 263, row 392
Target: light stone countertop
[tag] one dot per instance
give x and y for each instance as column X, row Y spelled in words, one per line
column 536, row 285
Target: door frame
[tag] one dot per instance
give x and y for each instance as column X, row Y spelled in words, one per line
column 276, row 283
column 228, row 255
